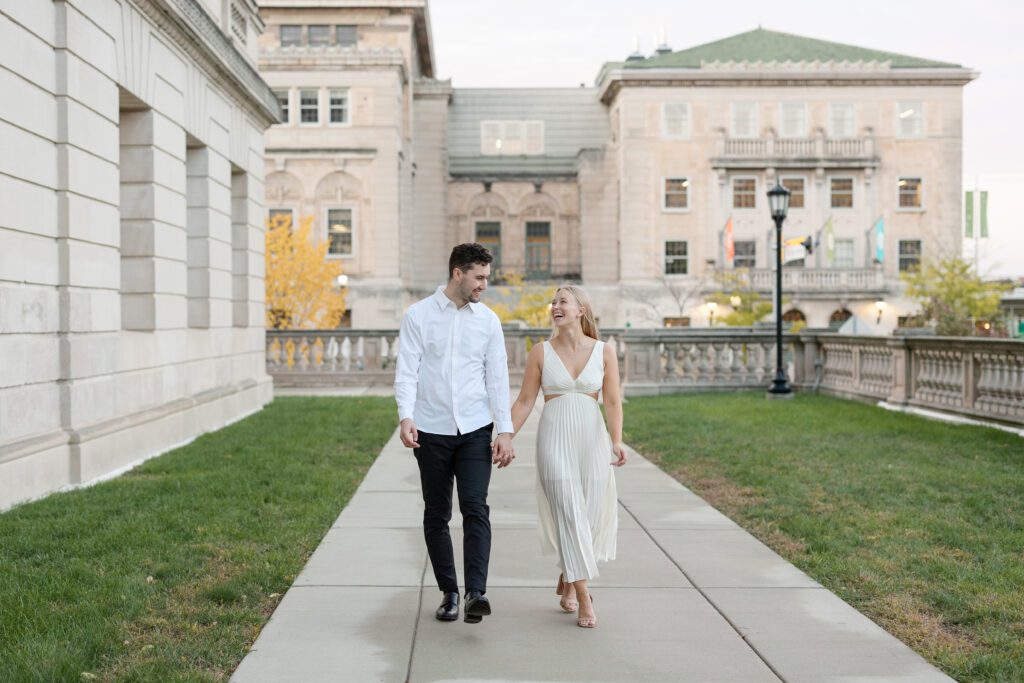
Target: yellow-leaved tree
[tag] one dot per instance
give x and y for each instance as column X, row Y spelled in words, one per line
column 302, row 290
column 531, row 307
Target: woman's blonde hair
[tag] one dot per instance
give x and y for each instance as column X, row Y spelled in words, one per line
column 588, row 322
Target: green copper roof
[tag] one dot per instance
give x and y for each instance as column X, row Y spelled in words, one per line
column 762, row 45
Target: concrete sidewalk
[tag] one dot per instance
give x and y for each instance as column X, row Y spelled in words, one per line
column 691, row 597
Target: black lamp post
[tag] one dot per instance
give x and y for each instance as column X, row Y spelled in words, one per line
column 778, row 202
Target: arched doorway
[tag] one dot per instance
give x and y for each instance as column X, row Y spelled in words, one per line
column 794, row 315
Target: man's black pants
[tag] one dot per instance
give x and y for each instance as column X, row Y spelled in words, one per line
column 467, row 458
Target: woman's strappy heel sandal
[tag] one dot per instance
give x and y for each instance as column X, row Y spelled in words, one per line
column 588, row 622
column 566, row 603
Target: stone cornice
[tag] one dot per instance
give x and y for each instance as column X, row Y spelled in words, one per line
column 333, row 59
column 775, row 75
column 193, row 31
column 419, row 9
column 428, row 87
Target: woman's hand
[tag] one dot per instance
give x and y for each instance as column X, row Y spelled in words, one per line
column 619, row 451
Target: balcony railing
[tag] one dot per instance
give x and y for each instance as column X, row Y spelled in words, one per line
column 981, row 378
column 826, row 281
column 818, row 147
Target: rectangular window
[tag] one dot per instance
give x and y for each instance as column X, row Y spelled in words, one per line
column 840, row 120
column 346, row 36
column 512, row 134
column 339, row 232
column 282, row 101
column 909, row 119
column 744, row 193
column 841, row 192
column 745, row 254
column 339, row 106
column 280, row 214
column 488, row 233
column 796, row 192
column 910, row 255
column 534, row 137
column 309, row 106
column 744, row 120
column 675, row 120
column 511, row 138
column 843, row 254
column 538, row 250
column 793, row 120
column 910, row 193
column 676, row 258
column 291, row 35
column 677, row 194
column 319, row 35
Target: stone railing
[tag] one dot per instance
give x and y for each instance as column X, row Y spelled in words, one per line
column 981, row 378
column 796, row 148
column 818, row 280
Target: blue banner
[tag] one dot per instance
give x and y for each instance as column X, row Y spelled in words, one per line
column 880, row 240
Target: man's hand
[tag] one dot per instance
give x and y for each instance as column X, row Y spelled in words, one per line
column 502, row 452
column 408, row 433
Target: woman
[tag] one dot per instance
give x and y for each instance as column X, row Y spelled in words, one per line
column 576, row 488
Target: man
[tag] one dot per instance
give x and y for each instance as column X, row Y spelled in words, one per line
column 451, row 384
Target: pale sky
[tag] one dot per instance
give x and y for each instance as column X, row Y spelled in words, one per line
column 562, row 43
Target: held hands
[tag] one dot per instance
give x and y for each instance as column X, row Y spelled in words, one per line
column 409, row 434
column 502, row 452
column 619, row 450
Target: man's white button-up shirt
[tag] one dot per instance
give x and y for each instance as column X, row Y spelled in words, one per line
column 452, row 373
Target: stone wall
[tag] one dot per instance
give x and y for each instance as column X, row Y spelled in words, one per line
column 131, row 240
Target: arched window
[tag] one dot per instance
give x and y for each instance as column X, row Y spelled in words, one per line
column 838, row 317
column 794, row 315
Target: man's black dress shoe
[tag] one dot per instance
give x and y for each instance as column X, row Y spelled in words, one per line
column 449, row 609
column 477, row 607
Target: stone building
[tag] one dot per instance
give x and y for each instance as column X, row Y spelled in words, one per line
column 131, row 235
column 627, row 186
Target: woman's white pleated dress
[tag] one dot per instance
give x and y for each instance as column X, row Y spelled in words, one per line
column 576, row 496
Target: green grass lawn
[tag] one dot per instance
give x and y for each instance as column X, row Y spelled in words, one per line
column 918, row 524
column 169, row 572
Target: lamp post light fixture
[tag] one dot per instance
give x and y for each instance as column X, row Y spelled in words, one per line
column 735, row 301
column 712, row 307
column 778, row 203
column 880, row 307
column 341, row 280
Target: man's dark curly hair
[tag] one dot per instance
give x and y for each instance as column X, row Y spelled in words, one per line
column 465, row 256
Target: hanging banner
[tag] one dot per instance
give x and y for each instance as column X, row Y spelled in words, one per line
column 830, row 242
column 969, row 214
column 983, row 217
column 730, row 244
column 880, row 240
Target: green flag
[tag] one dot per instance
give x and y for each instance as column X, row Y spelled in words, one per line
column 969, row 213
column 983, row 218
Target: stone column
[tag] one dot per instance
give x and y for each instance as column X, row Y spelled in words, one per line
column 153, row 245
column 210, row 287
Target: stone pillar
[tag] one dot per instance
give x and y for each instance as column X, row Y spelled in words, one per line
column 247, row 244
column 210, row 287
column 901, row 391
column 153, row 243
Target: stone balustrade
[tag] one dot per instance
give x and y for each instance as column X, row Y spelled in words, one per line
column 816, row 147
column 817, row 280
column 976, row 377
